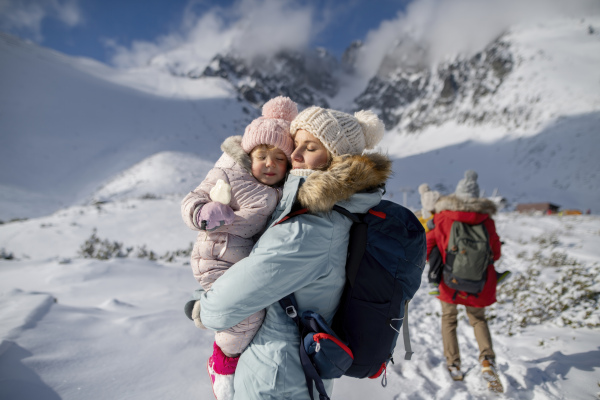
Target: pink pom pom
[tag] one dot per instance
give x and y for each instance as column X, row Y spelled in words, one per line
column 280, row 108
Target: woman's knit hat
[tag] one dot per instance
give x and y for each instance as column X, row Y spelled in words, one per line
column 428, row 199
column 468, row 188
column 339, row 132
column 273, row 127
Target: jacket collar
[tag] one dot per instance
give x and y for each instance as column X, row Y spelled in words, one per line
column 232, row 146
column 347, row 175
column 454, row 203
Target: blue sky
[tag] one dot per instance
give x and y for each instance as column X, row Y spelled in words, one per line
column 132, row 33
column 101, row 28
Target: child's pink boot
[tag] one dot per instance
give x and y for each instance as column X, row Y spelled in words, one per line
column 221, row 370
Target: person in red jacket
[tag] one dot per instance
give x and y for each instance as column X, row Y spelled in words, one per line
column 465, row 206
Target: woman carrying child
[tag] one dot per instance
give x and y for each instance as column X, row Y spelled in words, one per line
column 302, row 252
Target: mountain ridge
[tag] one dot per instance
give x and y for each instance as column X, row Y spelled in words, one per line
column 68, row 134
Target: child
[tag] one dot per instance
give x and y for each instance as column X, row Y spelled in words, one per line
column 229, row 208
column 428, row 199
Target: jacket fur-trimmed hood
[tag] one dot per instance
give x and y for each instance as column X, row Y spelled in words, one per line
column 454, row 203
column 347, row 175
column 232, row 146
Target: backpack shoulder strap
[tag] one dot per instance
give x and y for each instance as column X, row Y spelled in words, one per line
column 290, row 306
column 357, row 243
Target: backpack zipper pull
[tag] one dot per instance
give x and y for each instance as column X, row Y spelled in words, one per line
column 384, row 377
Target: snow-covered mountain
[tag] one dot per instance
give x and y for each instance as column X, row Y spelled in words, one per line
column 527, row 77
column 69, row 125
column 523, row 112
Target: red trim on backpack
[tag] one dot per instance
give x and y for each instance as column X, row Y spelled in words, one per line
column 379, row 214
column 290, row 215
column 318, row 336
column 378, row 373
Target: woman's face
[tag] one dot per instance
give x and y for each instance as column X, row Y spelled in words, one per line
column 309, row 152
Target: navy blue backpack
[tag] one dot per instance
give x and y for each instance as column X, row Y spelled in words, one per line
column 386, row 257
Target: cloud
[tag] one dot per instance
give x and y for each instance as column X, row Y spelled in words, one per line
column 26, row 16
column 449, row 27
column 248, row 27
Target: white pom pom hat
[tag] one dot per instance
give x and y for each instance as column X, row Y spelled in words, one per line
column 273, row 127
column 339, row 132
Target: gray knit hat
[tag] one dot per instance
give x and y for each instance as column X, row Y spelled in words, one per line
column 468, row 188
column 339, row 132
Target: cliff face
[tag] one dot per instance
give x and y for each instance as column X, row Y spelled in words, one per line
column 413, row 95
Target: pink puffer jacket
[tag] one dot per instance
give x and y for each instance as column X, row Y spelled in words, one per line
column 252, row 202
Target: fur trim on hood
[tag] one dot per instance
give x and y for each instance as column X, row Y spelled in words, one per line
column 232, row 146
column 454, row 203
column 347, row 175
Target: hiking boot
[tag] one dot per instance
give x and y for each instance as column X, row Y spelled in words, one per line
column 222, row 385
column 502, row 276
column 221, row 370
column 434, row 289
column 489, row 374
column 455, row 373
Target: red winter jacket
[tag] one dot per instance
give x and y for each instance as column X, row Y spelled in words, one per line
column 471, row 211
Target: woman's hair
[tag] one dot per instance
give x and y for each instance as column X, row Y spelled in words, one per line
column 325, row 166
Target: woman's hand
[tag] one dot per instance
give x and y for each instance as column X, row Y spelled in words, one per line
column 214, row 215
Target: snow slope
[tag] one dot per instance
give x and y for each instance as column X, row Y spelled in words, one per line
column 75, row 328
column 65, row 130
column 558, row 164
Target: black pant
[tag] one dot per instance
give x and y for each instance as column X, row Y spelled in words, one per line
column 435, row 266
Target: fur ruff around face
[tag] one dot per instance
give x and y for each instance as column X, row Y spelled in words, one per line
column 232, row 146
column 345, row 176
column 453, row 203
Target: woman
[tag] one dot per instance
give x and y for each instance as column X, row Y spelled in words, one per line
column 304, row 254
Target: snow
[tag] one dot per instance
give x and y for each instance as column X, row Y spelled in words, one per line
column 96, row 158
column 65, row 131
column 557, row 164
column 84, row 328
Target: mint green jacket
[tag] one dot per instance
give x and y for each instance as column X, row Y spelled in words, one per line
column 304, row 255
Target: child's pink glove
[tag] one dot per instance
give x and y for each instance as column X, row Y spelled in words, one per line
column 215, row 214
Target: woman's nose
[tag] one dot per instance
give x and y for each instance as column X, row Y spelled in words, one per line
column 296, row 155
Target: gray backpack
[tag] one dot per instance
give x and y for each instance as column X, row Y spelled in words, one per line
column 467, row 258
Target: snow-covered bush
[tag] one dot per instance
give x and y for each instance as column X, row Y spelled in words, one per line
column 570, row 297
column 4, row 255
column 95, row 247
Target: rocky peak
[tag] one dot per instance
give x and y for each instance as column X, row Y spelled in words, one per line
column 307, row 78
column 408, row 92
column 350, row 55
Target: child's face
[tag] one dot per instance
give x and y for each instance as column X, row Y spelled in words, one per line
column 309, row 152
column 269, row 165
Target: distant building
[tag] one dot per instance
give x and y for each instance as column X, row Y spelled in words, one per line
column 546, row 208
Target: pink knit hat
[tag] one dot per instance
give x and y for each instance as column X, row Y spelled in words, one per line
column 273, row 127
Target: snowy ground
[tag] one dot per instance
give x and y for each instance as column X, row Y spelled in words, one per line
column 77, row 328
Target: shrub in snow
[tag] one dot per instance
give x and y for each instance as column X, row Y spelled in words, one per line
column 102, row 249
column 6, row 256
column 142, row 252
column 95, row 247
column 553, row 289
